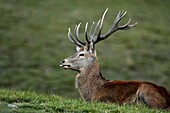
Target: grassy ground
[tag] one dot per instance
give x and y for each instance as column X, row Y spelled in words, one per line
column 33, row 40
column 29, row 102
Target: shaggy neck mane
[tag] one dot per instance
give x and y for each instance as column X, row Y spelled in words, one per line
column 87, row 80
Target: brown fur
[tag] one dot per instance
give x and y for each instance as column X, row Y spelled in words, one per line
column 93, row 87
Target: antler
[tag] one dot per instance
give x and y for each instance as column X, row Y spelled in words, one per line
column 98, row 37
column 77, row 41
column 95, row 35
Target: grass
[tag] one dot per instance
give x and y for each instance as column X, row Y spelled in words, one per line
column 33, row 40
column 26, row 101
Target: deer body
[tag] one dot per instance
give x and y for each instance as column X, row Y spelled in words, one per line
column 93, row 86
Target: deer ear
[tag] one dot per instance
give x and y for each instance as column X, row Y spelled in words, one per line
column 78, row 48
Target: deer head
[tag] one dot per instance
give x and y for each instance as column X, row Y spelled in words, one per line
column 86, row 53
column 81, row 60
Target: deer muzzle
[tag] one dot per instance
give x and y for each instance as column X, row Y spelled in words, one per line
column 64, row 64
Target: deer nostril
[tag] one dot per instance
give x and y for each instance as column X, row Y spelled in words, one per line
column 62, row 61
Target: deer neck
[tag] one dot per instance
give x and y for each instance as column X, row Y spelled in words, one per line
column 88, row 81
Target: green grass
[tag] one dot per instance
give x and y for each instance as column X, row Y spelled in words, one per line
column 33, row 40
column 29, row 102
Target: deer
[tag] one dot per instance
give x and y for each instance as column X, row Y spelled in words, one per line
column 91, row 84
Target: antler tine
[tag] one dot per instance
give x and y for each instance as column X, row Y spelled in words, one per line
column 98, row 28
column 70, row 37
column 127, row 25
column 95, row 34
column 115, row 26
column 101, row 25
column 90, row 33
column 119, row 16
column 86, row 35
column 77, row 34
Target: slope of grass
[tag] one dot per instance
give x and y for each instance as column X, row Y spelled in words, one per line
column 33, row 40
column 21, row 102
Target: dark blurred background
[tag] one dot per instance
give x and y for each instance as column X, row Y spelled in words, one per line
column 33, row 40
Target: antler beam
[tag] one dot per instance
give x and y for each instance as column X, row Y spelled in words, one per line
column 114, row 27
column 95, row 36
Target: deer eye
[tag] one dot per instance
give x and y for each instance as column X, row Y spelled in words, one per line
column 82, row 54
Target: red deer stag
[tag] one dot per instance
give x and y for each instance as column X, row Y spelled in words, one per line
column 93, row 86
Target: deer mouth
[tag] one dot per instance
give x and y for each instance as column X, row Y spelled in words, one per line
column 65, row 66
